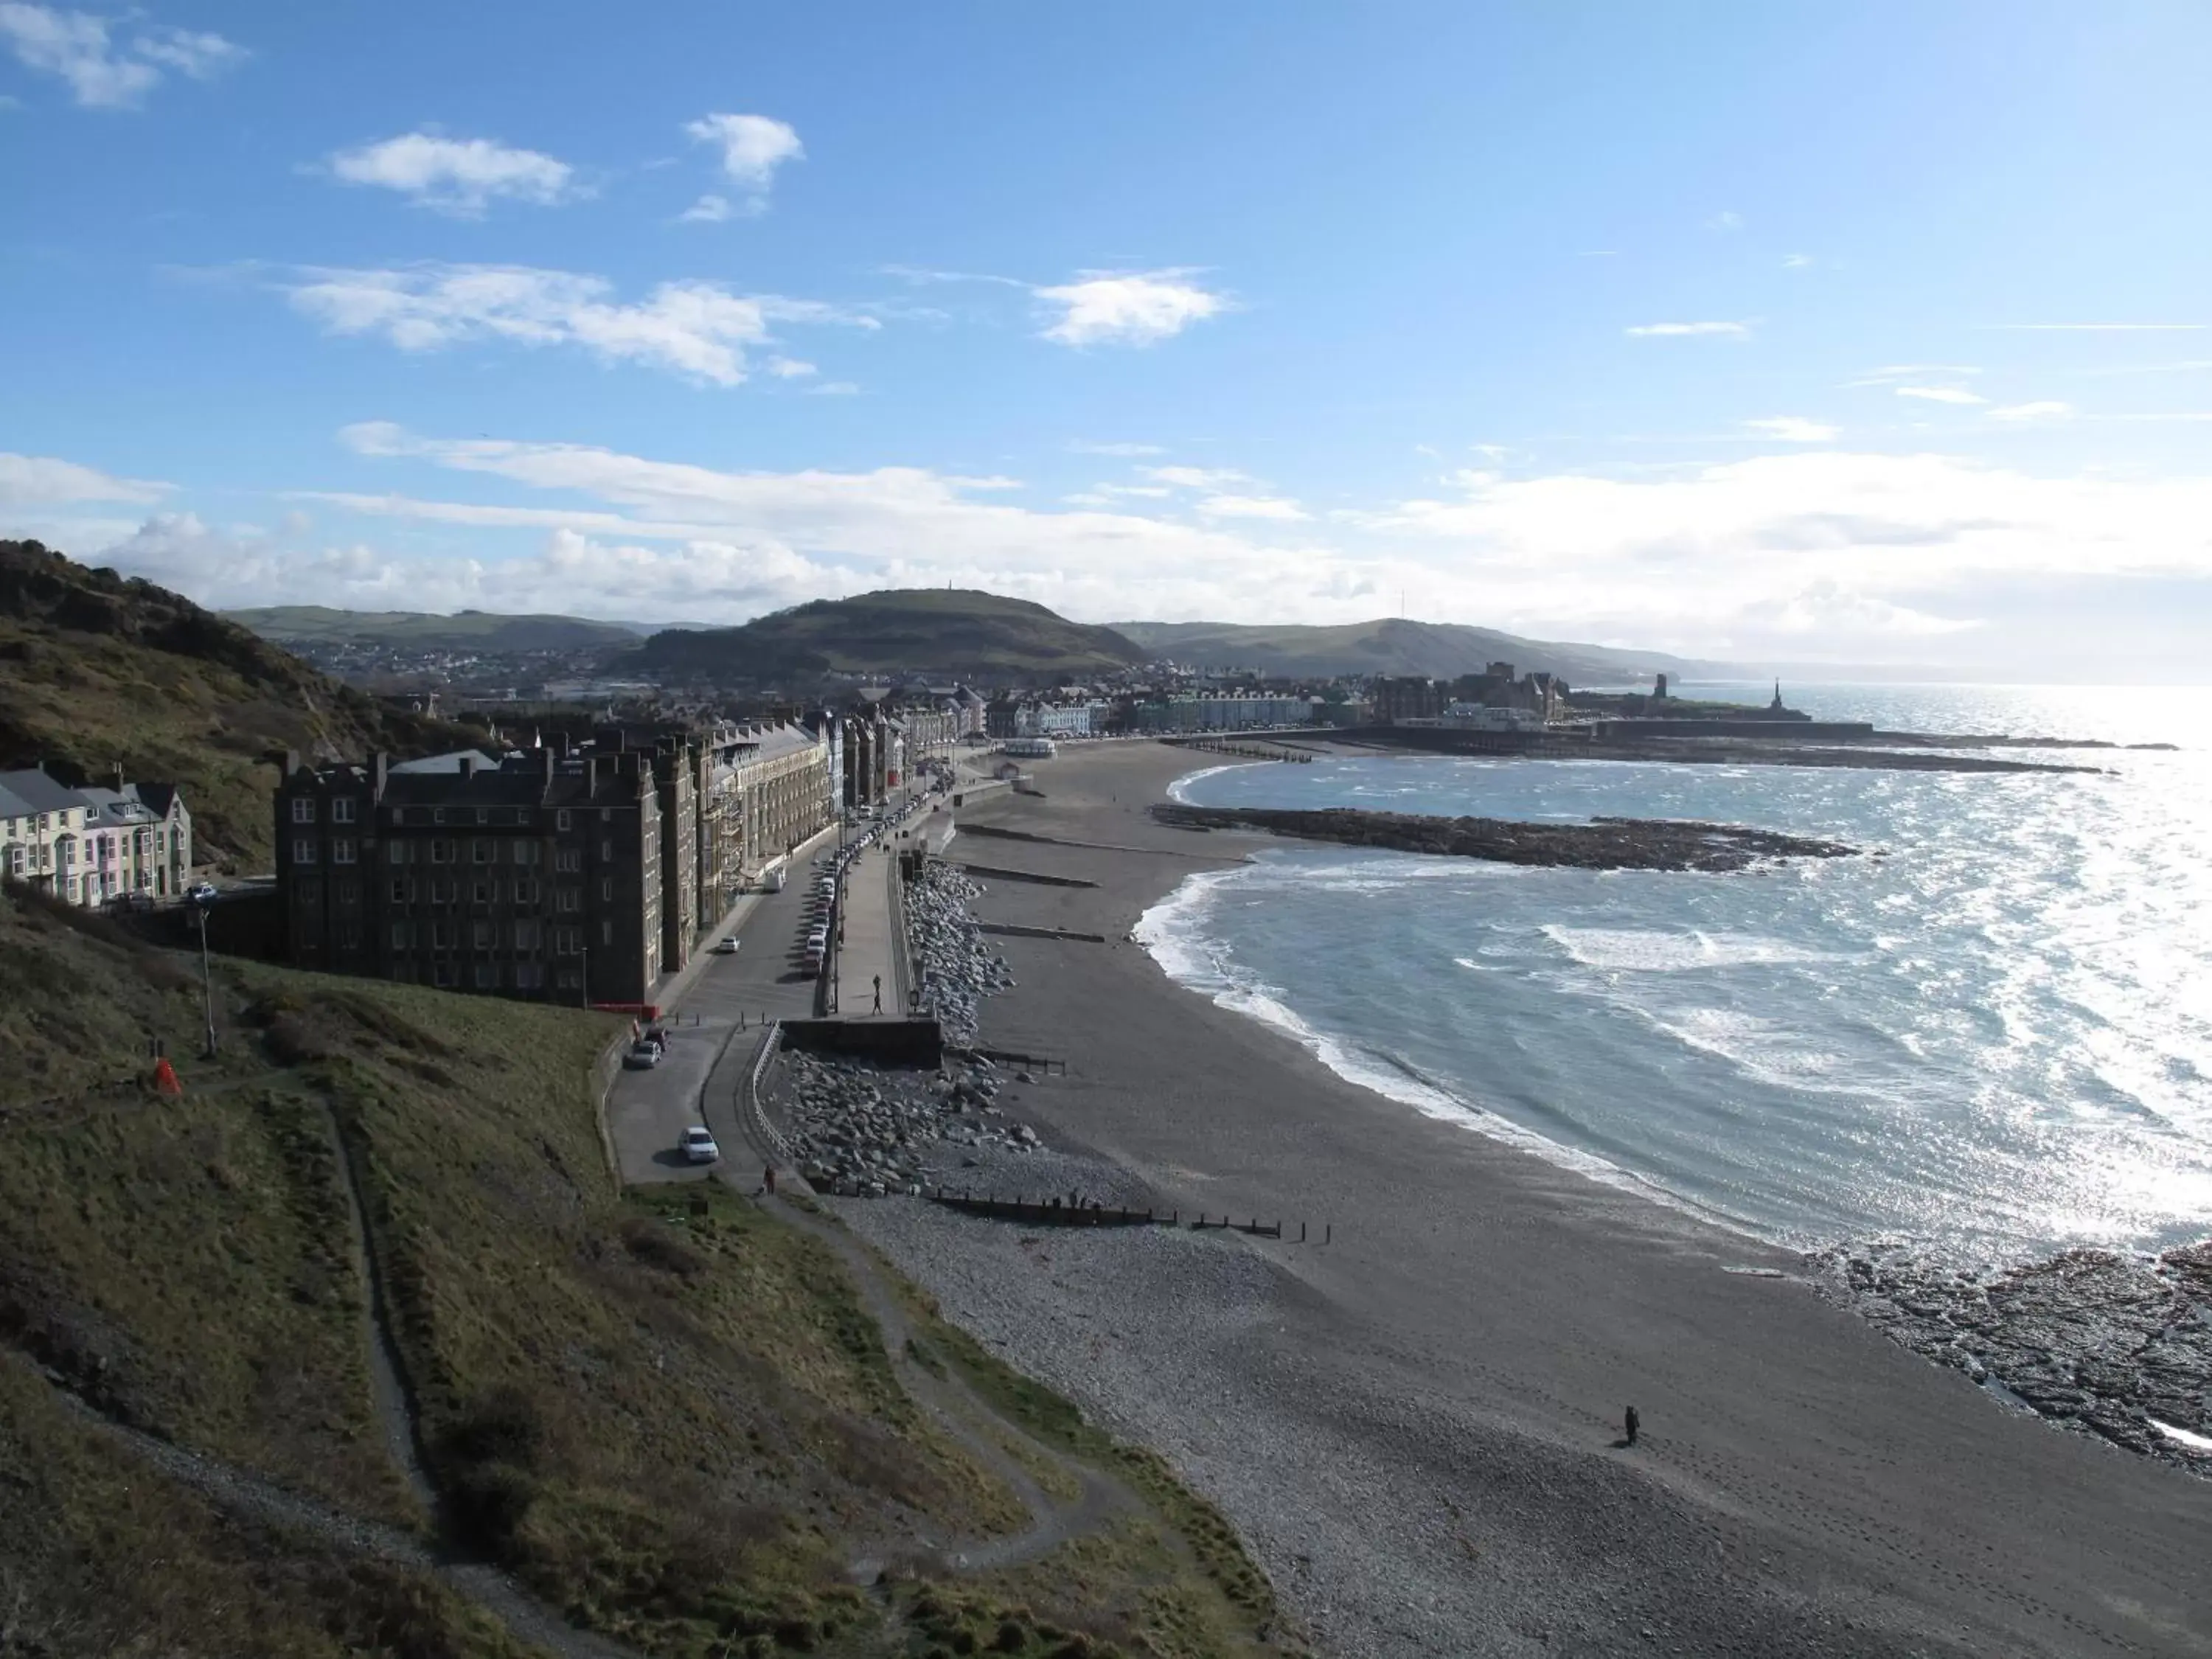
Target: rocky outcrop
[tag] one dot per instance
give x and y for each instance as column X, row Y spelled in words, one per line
column 1600, row 844
column 957, row 969
column 2112, row 1345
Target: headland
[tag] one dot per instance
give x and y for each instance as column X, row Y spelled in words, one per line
column 1417, row 1425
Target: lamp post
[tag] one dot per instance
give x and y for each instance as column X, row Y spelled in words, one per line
column 207, row 980
column 584, row 974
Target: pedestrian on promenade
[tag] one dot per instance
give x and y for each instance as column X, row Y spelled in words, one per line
column 1633, row 1423
column 768, row 1179
column 879, row 993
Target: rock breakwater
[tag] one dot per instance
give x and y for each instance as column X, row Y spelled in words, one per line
column 957, row 968
column 2112, row 1345
column 1605, row 843
column 867, row 1130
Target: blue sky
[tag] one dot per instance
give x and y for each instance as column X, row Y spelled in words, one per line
column 1869, row 333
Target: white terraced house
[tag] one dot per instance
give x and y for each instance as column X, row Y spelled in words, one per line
column 95, row 846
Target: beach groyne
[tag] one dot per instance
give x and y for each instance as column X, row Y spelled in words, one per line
column 1605, row 843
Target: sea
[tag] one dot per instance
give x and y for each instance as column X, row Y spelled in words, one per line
column 1987, row 1039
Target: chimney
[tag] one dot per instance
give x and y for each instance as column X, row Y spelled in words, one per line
column 380, row 769
column 468, row 767
column 591, row 777
column 545, row 765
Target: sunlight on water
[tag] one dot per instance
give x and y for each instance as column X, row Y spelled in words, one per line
column 1996, row 1037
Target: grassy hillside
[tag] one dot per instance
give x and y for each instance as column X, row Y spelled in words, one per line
column 945, row 630
column 465, row 630
column 97, row 669
column 668, row 1417
column 1390, row 645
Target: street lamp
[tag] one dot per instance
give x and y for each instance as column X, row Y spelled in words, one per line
column 207, row 980
column 584, row 974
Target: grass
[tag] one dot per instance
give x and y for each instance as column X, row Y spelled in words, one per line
column 668, row 1414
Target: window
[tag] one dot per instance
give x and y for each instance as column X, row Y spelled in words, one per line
column 526, row 892
column 350, row 936
column 560, row 819
column 484, row 850
column 606, row 890
column 16, row 861
column 303, row 851
column 566, row 941
column 442, row 890
column 526, row 852
column 342, row 849
column 342, row 809
column 396, row 852
column 309, row 891
column 487, row 977
column 441, row 851
column 526, row 936
column 303, row 811
column 402, row 935
column 607, row 815
column 606, row 852
column 441, row 936
column 442, row 975
column 480, row 935
column 437, row 815
column 607, row 933
column 569, row 858
column 572, row 900
column 529, row 977
column 347, row 892
column 569, row 980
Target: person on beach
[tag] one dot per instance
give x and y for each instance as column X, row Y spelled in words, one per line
column 1632, row 1423
column 879, row 993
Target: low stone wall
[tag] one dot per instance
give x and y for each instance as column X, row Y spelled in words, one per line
column 917, row 1043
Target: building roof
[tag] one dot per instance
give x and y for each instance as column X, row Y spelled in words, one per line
column 447, row 764
column 39, row 793
column 116, row 806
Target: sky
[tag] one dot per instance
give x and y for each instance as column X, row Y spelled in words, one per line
column 1878, row 333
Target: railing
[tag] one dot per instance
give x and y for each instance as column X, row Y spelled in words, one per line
column 749, row 1100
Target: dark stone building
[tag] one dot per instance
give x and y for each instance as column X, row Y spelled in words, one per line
column 537, row 876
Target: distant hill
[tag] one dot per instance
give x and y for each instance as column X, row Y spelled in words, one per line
column 465, row 630
column 96, row 670
column 899, row 631
column 1392, row 645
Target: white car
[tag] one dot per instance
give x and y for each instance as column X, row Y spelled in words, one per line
column 726, row 947
column 698, row 1146
column 644, row 1054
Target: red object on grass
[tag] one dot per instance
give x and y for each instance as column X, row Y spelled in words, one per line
column 165, row 1078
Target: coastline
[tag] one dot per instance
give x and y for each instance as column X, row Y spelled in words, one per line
column 1413, row 1426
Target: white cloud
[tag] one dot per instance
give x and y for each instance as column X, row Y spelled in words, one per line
column 1793, row 428
column 708, row 209
column 1896, row 372
column 835, row 389
column 1252, row 507
column 1732, row 331
column 1194, row 477
column 102, row 73
column 43, row 481
column 789, row 368
column 753, row 147
column 1796, row 261
column 1810, row 553
column 1725, row 220
column 1084, row 446
column 2048, row 410
column 460, row 176
column 1941, row 394
column 696, row 328
column 1130, row 308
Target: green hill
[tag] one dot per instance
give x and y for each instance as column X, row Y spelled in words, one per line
column 898, row 630
column 100, row 670
column 669, row 1417
column 464, row 630
column 1391, row 644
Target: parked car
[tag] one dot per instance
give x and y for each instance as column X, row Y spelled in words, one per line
column 644, row 1054
column 727, row 945
column 698, row 1146
column 201, row 892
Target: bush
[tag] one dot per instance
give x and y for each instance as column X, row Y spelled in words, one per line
column 657, row 1246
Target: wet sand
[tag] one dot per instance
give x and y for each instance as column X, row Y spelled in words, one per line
column 1416, row 1424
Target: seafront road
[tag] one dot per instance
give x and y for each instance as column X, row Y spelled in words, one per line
column 711, row 1007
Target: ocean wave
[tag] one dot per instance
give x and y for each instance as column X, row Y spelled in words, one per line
column 1645, row 950
column 1174, row 933
column 1175, row 789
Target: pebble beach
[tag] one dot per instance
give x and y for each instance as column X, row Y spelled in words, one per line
column 1416, row 1425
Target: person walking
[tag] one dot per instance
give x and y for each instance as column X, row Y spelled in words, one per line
column 1632, row 1422
column 768, row 1179
column 879, row 993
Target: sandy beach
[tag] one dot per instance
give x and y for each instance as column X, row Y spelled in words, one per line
column 1415, row 1425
